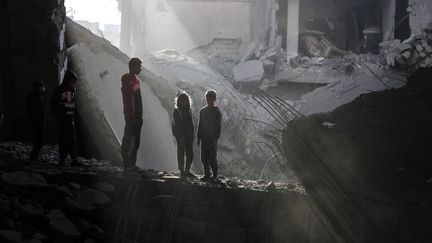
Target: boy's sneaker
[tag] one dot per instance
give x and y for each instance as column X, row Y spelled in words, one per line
column 205, row 178
column 189, row 174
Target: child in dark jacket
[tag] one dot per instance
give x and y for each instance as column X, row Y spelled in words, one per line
column 183, row 130
column 209, row 131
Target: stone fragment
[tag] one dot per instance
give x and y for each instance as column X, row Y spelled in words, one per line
column 61, row 224
column 249, row 71
column 419, row 48
column 406, row 54
column 21, row 178
column 13, row 236
column 105, row 187
column 88, row 227
column 271, row 187
column 88, row 199
column 391, row 59
column 404, row 47
column 75, row 186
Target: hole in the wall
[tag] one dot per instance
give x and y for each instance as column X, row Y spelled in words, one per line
column 402, row 27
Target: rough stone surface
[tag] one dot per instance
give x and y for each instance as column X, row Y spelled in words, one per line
column 60, row 223
column 24, row 178
column 249, row 71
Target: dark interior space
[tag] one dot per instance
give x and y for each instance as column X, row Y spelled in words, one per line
column 402, row 27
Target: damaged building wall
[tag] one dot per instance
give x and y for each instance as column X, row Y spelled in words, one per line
column 183, row 25
column 23, row 62
column 421, row 14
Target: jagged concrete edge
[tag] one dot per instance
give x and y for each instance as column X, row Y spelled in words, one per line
column 91, row 113
column 157, row 84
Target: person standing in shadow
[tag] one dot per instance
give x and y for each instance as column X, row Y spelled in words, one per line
column 183, row 131
column 133, row 111
column 63, row 105
column 209, row 131
column 35, row 106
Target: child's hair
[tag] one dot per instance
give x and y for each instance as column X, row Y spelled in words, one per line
column 182, row 100
column 211, row 94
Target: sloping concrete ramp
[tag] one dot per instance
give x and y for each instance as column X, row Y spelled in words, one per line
column 100, row 66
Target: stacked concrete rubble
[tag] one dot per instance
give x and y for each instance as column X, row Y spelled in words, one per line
column 413, row 53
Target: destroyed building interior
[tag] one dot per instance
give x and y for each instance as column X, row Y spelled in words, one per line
column 326, row 122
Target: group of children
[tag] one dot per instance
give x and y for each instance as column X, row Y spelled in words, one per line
column 63, row 107
column 208, row 133
column 63, row 104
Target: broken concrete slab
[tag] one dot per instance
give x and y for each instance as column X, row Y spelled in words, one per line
column 105, row 187
column 249, row 71
column 13, row 236
column 332, row 96
column 21, row 178
column 88, row 199
column 61, row 224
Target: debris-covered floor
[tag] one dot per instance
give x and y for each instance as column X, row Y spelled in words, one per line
column 98, row 202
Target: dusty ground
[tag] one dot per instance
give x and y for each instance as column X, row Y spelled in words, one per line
column 43, row 202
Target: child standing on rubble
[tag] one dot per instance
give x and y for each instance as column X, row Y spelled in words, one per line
column 183, row 131
column 209, row 131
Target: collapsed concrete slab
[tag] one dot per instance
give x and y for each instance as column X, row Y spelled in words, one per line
column 100, row 66
column 249, row 71
column 364, row 77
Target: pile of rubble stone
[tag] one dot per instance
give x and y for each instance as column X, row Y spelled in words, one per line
column 256, row 62
column 43, row 202
column 413, row 53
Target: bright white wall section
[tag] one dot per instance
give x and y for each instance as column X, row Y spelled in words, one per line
column 293, row 27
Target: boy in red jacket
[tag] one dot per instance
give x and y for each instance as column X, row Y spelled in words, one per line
column 132, row 110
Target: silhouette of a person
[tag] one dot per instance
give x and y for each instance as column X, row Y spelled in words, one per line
column 209, row 131
column 183, row 131
column 132, row 110
column 63, row 105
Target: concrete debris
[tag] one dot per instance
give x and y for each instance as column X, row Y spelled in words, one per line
column 105, row 187
column 315, row 44
column 249, row 71
column 75, row 186
column 16, row 237
column 329, row 124
column 88, row 227
column 271, row 187
column 366, row 75
column 88, row 199
column 60, row 223
column 22, row 178
column 412, row 54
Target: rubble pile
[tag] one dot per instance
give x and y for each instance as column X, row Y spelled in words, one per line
column 411, row 54
column 43, row 202
column 258, row 62
column 368, row 156
column 315, row 44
